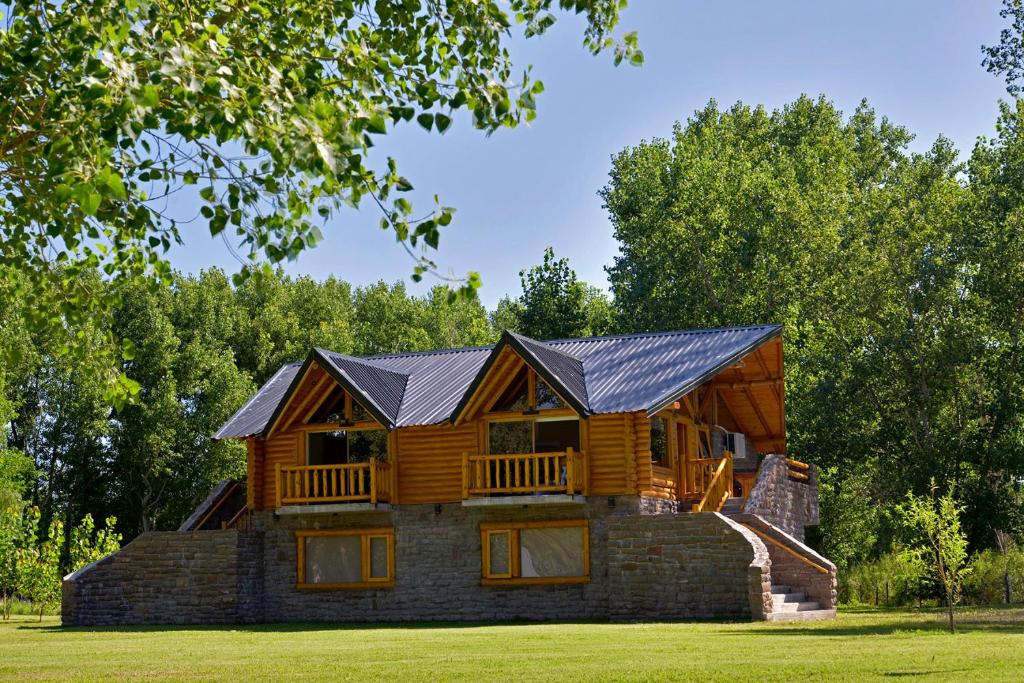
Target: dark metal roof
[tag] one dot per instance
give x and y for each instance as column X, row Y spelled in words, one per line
column 562, row 371
column 649, row 371
column 377, row 388
column 252, row 417
column 615, row 374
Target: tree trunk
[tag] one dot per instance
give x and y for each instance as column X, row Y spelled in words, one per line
column 1007, row 589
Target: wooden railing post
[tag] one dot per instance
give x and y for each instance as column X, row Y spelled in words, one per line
column 570, row 471
column 373, row 482
column 465, row 475
column 277, row 484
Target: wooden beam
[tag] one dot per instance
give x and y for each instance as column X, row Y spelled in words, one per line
column 327, row 389
column 757, row 410
column 773, row 382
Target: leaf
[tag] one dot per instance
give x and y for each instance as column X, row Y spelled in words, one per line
column 91, row 203
column 208, row 193
column 442, row 122
column 426, row 120
column 403, row 184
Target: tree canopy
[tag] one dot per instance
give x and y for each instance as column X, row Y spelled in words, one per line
column 263, row 112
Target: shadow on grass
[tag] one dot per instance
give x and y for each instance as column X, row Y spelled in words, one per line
column 887, row 622
column 297, row 627
column 928, row 620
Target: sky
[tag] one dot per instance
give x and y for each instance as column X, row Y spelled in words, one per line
column 524, row 189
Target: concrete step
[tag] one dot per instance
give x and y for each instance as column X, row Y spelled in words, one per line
column 778, row 589
column 779, row 598
column 808, row 606
column 806, row 615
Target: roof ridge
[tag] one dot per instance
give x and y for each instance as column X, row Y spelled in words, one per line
column 661, row 333
column 360, row 359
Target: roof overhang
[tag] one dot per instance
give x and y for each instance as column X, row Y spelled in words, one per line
column 676, row 393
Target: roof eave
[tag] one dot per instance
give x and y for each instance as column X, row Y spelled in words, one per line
column 673, row 396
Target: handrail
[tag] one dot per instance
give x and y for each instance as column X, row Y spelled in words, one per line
column 241, row 520
column 556, row 472
column 359, row 482
column 805, row 560
column 719, row 488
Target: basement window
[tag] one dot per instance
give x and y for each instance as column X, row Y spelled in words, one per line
column 523, row 553
column 345, row 558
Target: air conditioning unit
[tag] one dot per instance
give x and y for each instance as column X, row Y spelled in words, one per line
column 736, row 444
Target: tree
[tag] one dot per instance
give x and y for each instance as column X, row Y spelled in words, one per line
column 38, row 565
column 896, row 277
column 1006, row 59
column 452, row 322
column 937, row 520
column 388, row 320
column 89, row 544
column 264, row 112
column 555, row 304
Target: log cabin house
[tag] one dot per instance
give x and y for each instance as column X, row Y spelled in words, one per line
column 638, row 476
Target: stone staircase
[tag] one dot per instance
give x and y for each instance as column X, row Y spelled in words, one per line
column 788, row 605
column 733, row 506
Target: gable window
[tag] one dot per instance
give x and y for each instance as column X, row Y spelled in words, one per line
column 535, row 552
column 345, row 558
column 538, row 435
column 659, row 442
column 346, row 446
column 527, row 393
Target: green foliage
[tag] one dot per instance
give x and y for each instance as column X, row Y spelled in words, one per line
column 1006, row 59
column 936, row 521
column 995, row 576
column 898, row 278
column 266, row 113
column 89, row 544
column 38, row 566
column 895, row 579
column 16, row 475
column 554, row 304
column 850, row 518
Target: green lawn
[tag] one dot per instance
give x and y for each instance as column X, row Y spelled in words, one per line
column 857, row 645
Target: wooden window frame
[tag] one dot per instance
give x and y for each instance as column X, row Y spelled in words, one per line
column 487, row 529
column 365, row 534
column 543, row 416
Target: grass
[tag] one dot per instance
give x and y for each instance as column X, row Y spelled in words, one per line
column 858, row 645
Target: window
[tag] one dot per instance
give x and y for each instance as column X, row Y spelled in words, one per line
column 541, row 435
column 535, row 552
column 659, row 442
column 345, row 558
column 517, row 395
column 346, row 447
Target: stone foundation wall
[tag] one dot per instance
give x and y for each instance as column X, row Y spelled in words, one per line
column 642, row 566
column 694, row 566
column 785, row 503
column 167, row 577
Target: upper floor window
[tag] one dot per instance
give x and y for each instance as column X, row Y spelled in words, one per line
column 526, row 393
column 539, row 435
column 345, row 447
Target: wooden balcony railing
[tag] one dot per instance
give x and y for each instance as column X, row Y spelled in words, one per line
column 718, row 487
column 522, row 473
column 368, row 482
